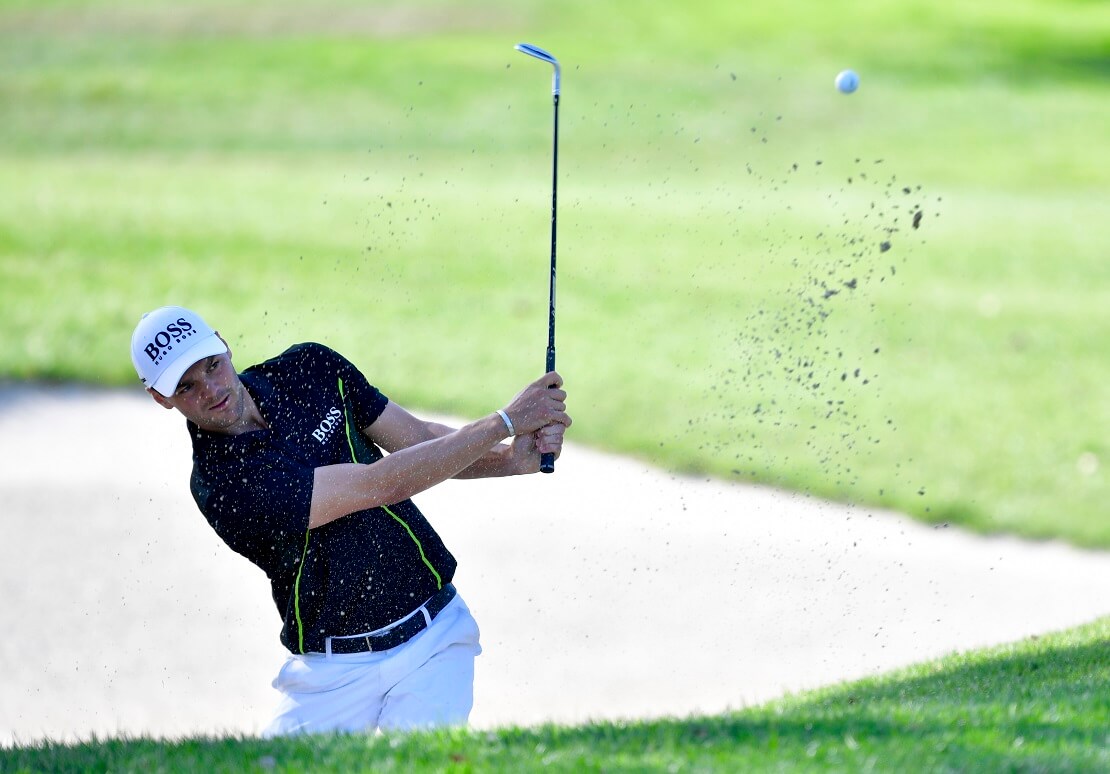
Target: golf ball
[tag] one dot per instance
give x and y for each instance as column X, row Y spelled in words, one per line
column 847, row 81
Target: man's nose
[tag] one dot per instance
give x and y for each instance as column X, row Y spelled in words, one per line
column 207, row 388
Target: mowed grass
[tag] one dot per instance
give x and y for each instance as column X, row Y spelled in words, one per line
column 377, row 177
column 1037, row 705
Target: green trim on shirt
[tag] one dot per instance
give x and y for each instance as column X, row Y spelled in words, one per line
column 398, row 519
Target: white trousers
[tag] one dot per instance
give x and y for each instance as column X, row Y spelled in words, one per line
column 426, row 682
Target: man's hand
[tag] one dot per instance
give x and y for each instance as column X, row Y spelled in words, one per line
column 541, row 403
column 526, row 449
column 540, row 419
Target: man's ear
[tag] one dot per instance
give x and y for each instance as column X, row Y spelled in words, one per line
column 221, row 338
column 159, row 398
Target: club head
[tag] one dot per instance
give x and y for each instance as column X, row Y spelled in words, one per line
column 536, row 51
column 539, row 53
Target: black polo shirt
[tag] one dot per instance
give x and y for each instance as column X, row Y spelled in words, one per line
column 353, row 575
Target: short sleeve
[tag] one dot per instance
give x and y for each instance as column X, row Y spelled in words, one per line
column 367, row 402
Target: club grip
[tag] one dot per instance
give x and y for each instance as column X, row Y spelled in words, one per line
column 547, row 460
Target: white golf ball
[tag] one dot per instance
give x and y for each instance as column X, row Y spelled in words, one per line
column 847, row 81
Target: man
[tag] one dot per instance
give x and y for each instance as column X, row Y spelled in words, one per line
column 288, row 470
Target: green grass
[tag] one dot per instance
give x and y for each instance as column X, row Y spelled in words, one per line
column 1038, row 705
column 377, row 178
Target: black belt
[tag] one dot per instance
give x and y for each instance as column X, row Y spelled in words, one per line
column 401, row 633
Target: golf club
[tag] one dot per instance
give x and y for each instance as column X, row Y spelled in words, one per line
column 547, row 461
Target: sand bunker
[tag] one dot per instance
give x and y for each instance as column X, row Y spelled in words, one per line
column 609, row 590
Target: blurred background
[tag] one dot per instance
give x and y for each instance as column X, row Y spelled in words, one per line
column 898, row 297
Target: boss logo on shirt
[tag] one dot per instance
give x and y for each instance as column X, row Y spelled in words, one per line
column 164, row 340
column 327, row 427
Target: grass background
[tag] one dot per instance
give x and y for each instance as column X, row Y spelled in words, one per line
column 376, row 176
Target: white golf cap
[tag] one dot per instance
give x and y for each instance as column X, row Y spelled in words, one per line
column 166, row 342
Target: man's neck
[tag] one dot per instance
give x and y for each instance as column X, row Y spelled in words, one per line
column 251, row 419
column 252, row 415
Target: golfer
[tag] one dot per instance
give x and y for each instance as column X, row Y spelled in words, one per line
column 289, row 470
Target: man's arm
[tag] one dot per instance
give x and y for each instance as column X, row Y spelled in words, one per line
column 397, row 429
column 346, row 488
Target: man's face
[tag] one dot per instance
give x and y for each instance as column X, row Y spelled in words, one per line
column 210, row 395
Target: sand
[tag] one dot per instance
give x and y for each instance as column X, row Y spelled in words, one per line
column 609, row 590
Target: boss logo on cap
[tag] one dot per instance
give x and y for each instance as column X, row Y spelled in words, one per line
column 164, row 340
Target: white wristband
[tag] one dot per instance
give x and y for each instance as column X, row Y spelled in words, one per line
column 508, row 422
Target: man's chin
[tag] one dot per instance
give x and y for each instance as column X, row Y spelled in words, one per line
column 215, row 421
column 227, row 416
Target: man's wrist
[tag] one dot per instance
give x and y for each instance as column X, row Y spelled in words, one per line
column 508, row 422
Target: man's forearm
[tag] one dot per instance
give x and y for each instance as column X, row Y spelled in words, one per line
column 349, row 487
column 497, row 462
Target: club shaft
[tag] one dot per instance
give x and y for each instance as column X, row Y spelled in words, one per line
column 547, row 461
column 554, row 231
